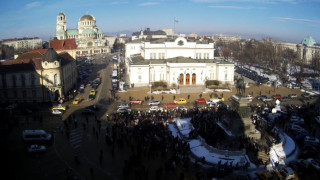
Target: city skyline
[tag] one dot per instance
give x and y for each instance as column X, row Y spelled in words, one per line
column 285, row 20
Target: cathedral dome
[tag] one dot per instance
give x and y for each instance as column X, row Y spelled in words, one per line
column 51, row 55
column 87, row 17
column 308, row 41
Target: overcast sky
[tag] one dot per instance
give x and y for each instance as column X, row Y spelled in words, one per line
column 287, row 20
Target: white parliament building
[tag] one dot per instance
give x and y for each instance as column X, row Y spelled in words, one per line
column 175, row 61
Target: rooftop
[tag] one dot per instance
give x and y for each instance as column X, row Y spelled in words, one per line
column 139, row 60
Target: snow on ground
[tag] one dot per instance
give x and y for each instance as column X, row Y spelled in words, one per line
column 184, row 126
column 280, row 152
column 174, row 131
column 200, row 149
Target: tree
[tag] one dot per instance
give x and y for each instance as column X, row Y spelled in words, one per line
column 226, row 53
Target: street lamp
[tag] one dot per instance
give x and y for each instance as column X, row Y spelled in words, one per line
column 150, row 85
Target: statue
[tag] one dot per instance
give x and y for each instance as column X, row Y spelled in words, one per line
column 241, row 86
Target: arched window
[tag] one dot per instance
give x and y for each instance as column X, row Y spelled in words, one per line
column 55, row 80
column 46, row 78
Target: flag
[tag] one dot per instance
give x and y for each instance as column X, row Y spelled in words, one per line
column 176, row 21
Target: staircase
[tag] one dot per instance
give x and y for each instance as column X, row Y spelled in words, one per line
column 191, row 88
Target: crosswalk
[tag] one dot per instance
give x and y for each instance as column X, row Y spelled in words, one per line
column 76, row 138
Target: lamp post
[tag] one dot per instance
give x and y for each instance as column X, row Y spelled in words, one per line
column 150, row 85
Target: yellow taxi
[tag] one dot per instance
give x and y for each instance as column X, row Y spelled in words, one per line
column 76, row 101
column 180, row 101
column 59, row 107
column 93, row 92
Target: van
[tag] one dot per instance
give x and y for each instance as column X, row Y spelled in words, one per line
column 36, row 136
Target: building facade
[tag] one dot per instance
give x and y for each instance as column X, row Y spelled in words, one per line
column 43, row 76
column 23, row 43
column 175, row 61
column 89, row 38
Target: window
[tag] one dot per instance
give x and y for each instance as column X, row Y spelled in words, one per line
column 225, row 76
column 34, row 94
column 205, row 55
column 198, row 55
column 55, row 83
column 23, row 81
column 4, row 81
column 161, row 55
column 46, row 78
column 139, row 78
column 153, row 55
column 33, row 80
column 14, row 81
column 15, row 94
column 24, row 94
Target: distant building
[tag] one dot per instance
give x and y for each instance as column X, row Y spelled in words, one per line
column 148, row 34
column 89, row 39
column 306, row 50
column 23, row 43
column 175, row 61
column 226, row 38
column 39, row 76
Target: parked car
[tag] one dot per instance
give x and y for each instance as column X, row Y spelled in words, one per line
column 137, row 101
column 285, row 98
column 213, row 100
column 266, row 99
column 276, row 96
column 306, row 95
column 170, row 105
column 56, row 112
column 87, row 112
column 181, row 107
column 180, row 101
column 59, row 107
column 124, row 105
column 93, row 92
column 91, row 97
column 260, row 97
column 123, row 110
column 293, row 96
column 155, row 108
column 308, row 154
column 154, row 103
column 201, row 100
column 310, row 163
column 76, row 101
column 37, row 148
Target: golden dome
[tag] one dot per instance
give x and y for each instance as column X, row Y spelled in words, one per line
column 87, row 17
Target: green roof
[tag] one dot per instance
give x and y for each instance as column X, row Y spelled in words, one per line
column 72, row 32
column 308, row 41
column 100, row 31
column 61, row 31
column 88, row 31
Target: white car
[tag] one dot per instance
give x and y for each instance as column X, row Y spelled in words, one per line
column 56, row 112
column 123, row 105
column 210, row 101
column 180, row 107
column 37, row 148
column 154, row 103
column 265, row 99
column 155, row 108
column 123, row 110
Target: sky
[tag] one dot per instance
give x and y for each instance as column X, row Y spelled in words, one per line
column 284, row 20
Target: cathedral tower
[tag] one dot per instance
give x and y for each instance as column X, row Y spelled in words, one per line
column 61, row 26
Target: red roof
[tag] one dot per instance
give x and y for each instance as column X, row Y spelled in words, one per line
column 31, row 61
column 66, row 44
